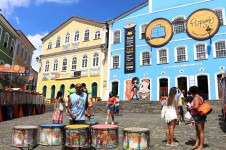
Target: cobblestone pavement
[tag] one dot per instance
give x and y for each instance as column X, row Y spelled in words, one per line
column 215, row 130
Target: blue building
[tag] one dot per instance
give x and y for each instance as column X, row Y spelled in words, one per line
column 158, row 45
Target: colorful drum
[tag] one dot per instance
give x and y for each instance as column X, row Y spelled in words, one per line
column 52, row 134
column 24, row 136
column 77, row 135
column 136, row 138
column 104, row 136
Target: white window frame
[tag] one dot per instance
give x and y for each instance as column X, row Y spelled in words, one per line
column 55, row 65
column 12, row 45
column 214, row 47
column 58, row 41
column 167, row 56
column 223, row 14
column 112, row 62
column 46, row 69
column 74, row 64
column 67, row 38
column 50, row 44
column 64, row 66
column 6, row 40
column 87, row 31
column 76, row 36
column 141, row 27
column 176, row 54
column 84, row 63
column 195, row 50
column 141, row 57
column 1, row 29
column 113, row 36
column 97, row 35
column 95, row 60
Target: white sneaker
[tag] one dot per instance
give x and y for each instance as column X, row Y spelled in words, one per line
column 106, row 122
column 180, row 123
column 112, row 123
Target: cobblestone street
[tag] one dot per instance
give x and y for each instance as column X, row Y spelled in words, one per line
column 215, row 130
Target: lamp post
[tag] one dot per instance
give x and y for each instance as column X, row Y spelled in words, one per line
column 208, row 30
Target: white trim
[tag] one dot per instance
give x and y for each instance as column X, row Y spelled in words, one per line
column 175, row 53
column 112, row 61
column 158, row 78
column 120, row 36
column 180, row 76
column 214, row 48
column 74, row 36
column 167, row 55
column 208, row 79
column 150, row 6
column 195, row 50
column 223, row 13
column 84, row 35
column 141, row 58
column 95, row 34
column 140, row 30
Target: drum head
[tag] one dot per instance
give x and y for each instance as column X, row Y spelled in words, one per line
column 77, row 126
column 104, row 126
column 52, row 125
column 135, row 129
column 25, row 127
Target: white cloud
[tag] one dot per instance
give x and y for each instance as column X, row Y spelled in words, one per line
column 39, row 2
column 17, row 20
column 36, row 41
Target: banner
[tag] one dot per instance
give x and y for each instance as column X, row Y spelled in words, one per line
column 15, row 70
column 129, row 48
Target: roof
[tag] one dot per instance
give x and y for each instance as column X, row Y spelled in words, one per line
column 74, row 18
column 23, row 37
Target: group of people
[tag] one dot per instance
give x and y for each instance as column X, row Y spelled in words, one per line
column 78, row 106
column 174, row 113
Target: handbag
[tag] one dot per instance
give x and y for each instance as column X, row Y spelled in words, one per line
column 163, row 111
column 61, row 107
column 204, row 109
column 187, row 115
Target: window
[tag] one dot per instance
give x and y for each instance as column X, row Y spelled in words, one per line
column 1, row 62
column 200, row 51
column 67, row 38
column 58, row 41
column 12, row 45
column 25, row 56
column 162, row 56
column 47, row 66
column 0, row 33
column 84, row 61
column 220, row 49
column 55, row 65
column 179, row 25
column 143, row 28
column 18, row 49
column 49, row 45
column 74, row 63
column 145, row 58
column 180, row 54
column 29, row 59
column 220, row 15
column 22, row 52
column 6, row 40
column 86, row 35
column 76, row 38
column 95, row 60
column 64, row 65
column 115, row 62
column 116, row 37
column 97, row 35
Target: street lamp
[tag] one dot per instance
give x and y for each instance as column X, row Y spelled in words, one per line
column 208, row 30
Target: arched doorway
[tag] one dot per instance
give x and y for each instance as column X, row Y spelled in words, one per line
column 114, row 88
column 219, row 86
column 163, row 87
column 53, row 89
column 94, row 89
column 203, row 86
column 62, row 89
column 44, row 90
column 182, row 84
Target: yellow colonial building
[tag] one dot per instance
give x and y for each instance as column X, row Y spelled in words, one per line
column 74, row 52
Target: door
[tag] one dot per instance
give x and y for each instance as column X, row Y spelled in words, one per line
column 94, row 89
column 44, row 90
column 62, row 88
column 114, row 89
column 203, row 86
column 53, row 88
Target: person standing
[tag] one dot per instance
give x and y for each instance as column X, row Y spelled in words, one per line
column 66, row 104
column 188, row 100
column 58, row 109
column 77, row 106
column 110, row 107
column 180, row 96
column 171, row 115
column 199, row 120
column 117, row 106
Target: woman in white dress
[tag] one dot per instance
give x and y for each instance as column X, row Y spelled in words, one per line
column 171, row 116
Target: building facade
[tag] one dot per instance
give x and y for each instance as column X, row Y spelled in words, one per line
column 156, row 46
column 75, row 52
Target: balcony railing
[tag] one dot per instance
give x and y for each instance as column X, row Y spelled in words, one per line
column 95, row 71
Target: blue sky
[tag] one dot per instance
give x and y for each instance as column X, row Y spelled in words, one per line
column 36, row 18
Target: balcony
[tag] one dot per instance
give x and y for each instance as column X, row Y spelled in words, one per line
column 95, row 71
column 53, row 75
column 75, row 45
column 84, row 72
column 45, row 76
column 66, row 47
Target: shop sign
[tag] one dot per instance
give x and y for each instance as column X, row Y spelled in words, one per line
column 158, row 32
column 202, row 24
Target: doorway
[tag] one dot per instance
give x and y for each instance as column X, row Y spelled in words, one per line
column 203, row 86
column 94, row 89
column 163, row 87
column 53, row 88
column 62, row 89
column 114, row 89
column 182, row 84
column 44, row 90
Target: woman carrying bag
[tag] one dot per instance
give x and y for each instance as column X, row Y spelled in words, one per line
column 58, row 109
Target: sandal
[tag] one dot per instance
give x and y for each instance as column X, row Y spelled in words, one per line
column 167, row 144
column 175, row 144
